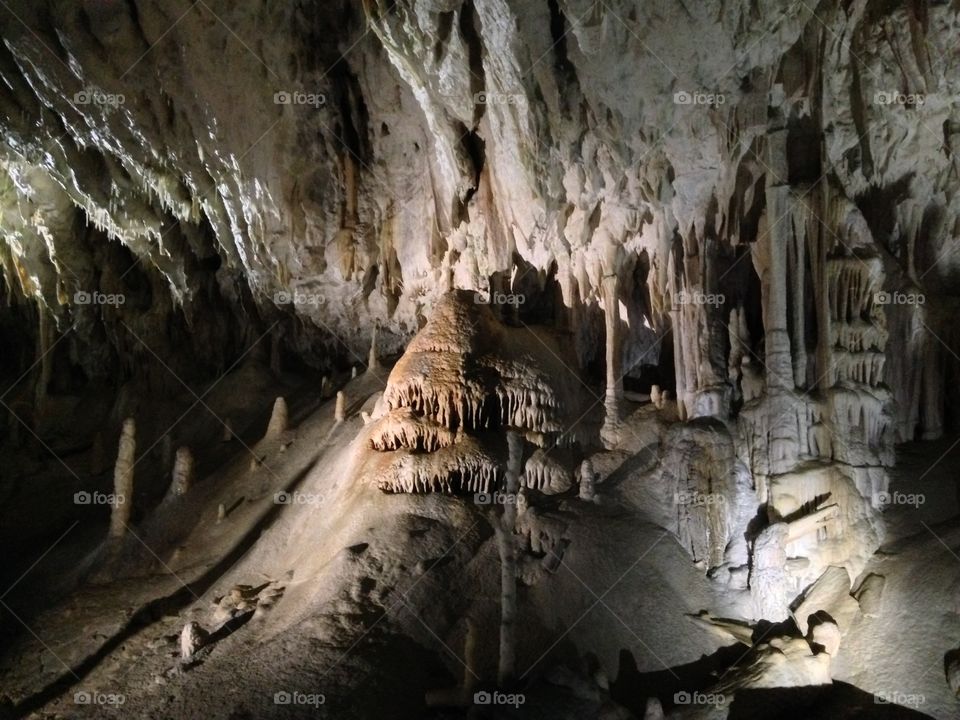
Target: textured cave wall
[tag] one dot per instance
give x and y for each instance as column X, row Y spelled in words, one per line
column 796, row 160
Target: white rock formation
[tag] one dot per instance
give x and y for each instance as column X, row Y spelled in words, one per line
column 122, row 504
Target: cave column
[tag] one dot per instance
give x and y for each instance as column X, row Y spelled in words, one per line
column 613, row 397
column 783, row 413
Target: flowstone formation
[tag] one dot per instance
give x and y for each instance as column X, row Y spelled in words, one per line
column 463, row 382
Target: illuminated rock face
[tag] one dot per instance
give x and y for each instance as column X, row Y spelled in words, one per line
column 523, row 220
column 463, row 381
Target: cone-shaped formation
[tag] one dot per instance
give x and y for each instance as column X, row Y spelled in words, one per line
column 463, row 376
column 461, row 370
column 402, row 428
column 373, row 362
column 123, row 479
column 340, row 409
column 468, row 466
column 549, row 471
column 588, row 478
column 278, row 420
column 182, row 472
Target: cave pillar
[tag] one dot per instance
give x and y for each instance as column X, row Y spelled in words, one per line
column 613, row 396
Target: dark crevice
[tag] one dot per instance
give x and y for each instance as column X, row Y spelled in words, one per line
column 470, row 31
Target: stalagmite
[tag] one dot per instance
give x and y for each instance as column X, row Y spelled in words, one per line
column 182, row 473
column 588, row 490
column 655, row 397
column 325, row 387
column 278, row 420
column 373, row 361
column 340, row 410
column 192, row 639
column 353, row 372
column 123, row 480
column 508, row 562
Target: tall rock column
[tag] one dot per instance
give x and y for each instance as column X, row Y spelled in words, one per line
column 783, row 448
column 123, row 480
column 613, row 395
